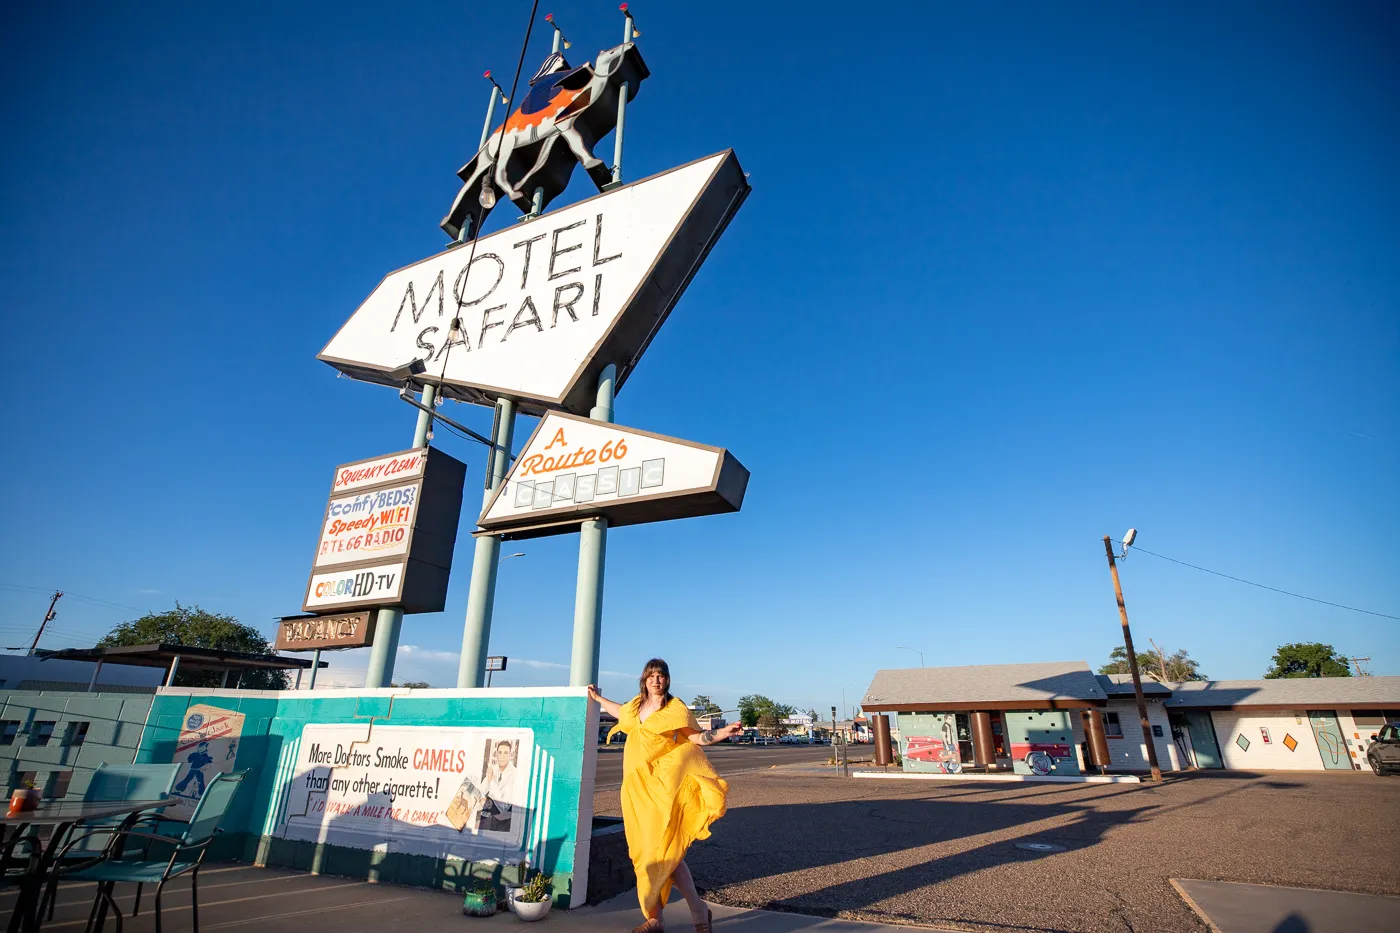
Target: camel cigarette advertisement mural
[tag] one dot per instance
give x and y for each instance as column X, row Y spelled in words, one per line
column 575, row 467
column 545, row 304
column 426, row 790
column 388, row 533
column 207, row 746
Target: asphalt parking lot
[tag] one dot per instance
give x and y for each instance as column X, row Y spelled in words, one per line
column 945, row 853
column 727, row 759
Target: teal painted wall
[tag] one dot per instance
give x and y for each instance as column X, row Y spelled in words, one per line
column 114, row 725
column 1046, row 737
column 928, row 730
column 272, row 732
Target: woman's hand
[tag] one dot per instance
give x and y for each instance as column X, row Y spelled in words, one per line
column 594, row 695
column 733, row 729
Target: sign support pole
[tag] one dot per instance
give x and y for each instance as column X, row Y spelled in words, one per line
column 592, row 556
column 481, row 597
column 621, row 112
column 386, row 630
column 315, row 666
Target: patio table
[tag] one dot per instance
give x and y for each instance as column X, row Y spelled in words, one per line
column 62, row 815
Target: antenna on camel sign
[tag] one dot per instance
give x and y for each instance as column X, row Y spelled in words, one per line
column 529, row 159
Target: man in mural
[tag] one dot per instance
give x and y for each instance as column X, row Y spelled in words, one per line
column 499, row 787
column 198, row 760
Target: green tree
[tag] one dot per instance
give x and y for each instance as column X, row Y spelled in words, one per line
column 413, row 685
column 751, row 707
column 1174, row 668
column 1307, row 659
column 196, row 628
column 704, row 706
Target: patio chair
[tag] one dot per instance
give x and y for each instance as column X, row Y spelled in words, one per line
column 109, row 782
column 187, row 853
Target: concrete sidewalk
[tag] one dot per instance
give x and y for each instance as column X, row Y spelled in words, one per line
column 269, row 900
column 1228, row 907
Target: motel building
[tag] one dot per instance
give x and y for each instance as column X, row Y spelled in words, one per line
column 1059, row 718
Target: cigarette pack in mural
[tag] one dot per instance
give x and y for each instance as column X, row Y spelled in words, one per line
column 1040, row 757
column 933, row 751
column 463, row 792
column 208, row 746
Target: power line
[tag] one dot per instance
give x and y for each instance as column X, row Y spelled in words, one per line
column 70, row 595
column 1273, row 589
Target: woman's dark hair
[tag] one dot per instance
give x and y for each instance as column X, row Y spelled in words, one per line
column 656, row 664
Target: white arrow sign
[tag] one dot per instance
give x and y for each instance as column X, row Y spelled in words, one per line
column 546, row 304
column 573, row 467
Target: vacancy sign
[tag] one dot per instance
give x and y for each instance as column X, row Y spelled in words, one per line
column 575, row 467
column 544, row 305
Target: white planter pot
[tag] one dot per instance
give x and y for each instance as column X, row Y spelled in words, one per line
column 532, row 911
column 511, row 894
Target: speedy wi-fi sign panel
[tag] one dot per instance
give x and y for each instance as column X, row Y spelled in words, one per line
column 577, row 468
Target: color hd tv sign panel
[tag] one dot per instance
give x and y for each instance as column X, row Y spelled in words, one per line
column 574, row 468
column 547, row 303
column 388, row 533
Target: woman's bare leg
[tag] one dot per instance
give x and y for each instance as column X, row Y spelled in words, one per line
column 699, row 912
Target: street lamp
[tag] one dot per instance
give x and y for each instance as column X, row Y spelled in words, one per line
column 843, row 700
column 509, row 556
column 916, row 651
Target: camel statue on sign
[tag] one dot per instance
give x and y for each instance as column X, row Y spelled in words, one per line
column 577, row 106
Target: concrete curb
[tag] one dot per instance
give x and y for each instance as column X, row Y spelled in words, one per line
column 1003, row 778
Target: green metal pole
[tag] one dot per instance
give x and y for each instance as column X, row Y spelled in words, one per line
column 592, row 557
column 621, row 109
column 390, row 621
column 464, row 234
column 481, row 597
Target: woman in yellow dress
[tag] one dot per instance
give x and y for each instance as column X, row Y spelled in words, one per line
column 670, row 794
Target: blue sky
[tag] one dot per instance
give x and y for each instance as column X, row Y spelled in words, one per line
column 1009, row 280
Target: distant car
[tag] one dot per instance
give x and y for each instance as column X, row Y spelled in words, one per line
column 1384, row 753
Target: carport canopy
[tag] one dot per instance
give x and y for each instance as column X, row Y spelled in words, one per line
column 174, row 657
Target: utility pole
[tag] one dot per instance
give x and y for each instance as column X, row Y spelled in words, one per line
column 1360, row 671
column 50, row 615
column 1132, row 663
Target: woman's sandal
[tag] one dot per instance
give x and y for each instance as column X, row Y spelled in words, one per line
column 708, row 924
column 650, row 925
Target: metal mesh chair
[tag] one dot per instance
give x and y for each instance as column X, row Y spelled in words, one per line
column 186, row 855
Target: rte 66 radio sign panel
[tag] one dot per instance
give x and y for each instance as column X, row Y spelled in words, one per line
column 575, row 467
column 388, row 533
column 547, row 303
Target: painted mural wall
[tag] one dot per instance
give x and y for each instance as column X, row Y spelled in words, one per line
column 422, row 787
column 1042, row 742
column 1269, row 741
column 928, row 742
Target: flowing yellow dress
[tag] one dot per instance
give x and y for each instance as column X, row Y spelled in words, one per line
column 670, row 795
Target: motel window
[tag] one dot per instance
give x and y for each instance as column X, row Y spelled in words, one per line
column 76, row 734
column 9, row 728
column 41, row 732
column 1111, row 726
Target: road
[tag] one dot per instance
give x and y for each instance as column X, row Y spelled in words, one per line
column 727, row 759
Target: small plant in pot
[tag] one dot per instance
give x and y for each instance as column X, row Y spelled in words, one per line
column 480, row 899
column 25, row 797
column 533, row 899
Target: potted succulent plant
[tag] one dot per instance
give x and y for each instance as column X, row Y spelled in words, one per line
column 24, row 798
column 532, row 899
column 480, row 899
